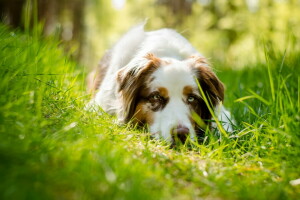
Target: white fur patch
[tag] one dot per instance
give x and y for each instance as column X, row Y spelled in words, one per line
column 174, row 77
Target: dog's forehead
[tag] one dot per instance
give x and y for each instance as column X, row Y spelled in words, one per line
column 175, row 76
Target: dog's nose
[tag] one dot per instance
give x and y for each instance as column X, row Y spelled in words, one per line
column 181, row 132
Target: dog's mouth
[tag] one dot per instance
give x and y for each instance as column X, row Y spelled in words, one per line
column 180, row 138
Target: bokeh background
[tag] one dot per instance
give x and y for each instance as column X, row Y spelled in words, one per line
column 234, row 33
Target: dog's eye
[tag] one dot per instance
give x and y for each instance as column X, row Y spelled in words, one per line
column 191, row 99
column 156, row 97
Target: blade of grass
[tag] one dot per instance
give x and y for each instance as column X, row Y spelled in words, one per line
column 270, row 75
column 219, row 125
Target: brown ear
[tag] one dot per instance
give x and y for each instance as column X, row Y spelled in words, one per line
column 131, row 80
column 208, row 80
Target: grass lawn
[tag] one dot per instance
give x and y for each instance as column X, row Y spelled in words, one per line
column 50, row 148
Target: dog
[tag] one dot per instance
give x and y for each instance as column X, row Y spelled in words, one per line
column 153, row 78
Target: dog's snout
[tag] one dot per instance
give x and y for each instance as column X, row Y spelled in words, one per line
column 181, row 132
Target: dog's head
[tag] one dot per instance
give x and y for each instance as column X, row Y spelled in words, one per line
column 164, row 94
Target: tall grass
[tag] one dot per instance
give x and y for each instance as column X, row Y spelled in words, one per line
column 50, row 148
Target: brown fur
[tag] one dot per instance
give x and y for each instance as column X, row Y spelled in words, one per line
column 187, row 90
column 131, row 83
column 199, row 108
column 158, row 104
column 163, row 92
column 143, row 114
column 156, row 61
column 146, row 106
column 208, row 80
column 211, row 86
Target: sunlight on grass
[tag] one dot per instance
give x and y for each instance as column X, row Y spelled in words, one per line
column 52, row 148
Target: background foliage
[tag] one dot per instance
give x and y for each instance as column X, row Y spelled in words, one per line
column 231, row 32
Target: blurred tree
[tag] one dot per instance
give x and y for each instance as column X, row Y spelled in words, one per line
column 48, row 11
column 65, row 17
column 11, row 12
column 226, row 30
column 179, row 8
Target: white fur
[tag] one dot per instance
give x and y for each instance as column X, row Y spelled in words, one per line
column 130, row 51
column 174, row 77
column 224, row 117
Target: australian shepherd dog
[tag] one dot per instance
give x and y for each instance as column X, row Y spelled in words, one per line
column 153, row 78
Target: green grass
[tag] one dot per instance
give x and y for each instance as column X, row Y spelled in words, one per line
column 50, row 148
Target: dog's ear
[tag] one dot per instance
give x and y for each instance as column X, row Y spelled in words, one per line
column 131, row 80
column 209, row 82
